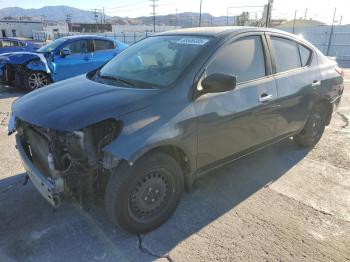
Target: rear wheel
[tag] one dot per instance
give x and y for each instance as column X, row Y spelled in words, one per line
column 142, row 197
column 36, row 79
column 313, row 129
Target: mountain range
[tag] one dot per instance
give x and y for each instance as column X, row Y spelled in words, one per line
column 60, row 13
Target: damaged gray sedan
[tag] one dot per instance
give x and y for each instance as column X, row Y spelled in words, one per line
column 168, row 109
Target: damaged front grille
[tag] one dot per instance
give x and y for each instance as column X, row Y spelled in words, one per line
column 75, row 156
column 56, row 152
column 12, row 75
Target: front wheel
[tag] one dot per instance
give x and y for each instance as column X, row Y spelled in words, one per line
column 142, row 197
column 36, row 79
column 313, row 129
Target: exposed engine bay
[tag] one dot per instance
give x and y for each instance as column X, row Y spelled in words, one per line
column 74, row 160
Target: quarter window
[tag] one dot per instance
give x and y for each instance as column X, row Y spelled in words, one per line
column 243, row 58
column 305, row 54
column 103, row 45
column 286, row 54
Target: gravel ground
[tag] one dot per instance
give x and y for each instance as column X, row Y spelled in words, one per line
column 282, row 203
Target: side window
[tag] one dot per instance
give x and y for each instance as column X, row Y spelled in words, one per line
column 286, row 54
column 76, row 47
column 103, row 45
column 305, row 54
column 6, row 43
column 243, row 58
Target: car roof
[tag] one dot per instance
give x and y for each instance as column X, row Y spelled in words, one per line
column 86, row 37
column 12, row 39
column 221, row 31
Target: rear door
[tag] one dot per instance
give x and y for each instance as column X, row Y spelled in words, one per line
column 297, row 77
column 237, row 120
column 77, row 63
column 104, row 50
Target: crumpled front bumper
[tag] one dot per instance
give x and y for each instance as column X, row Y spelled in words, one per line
column 51, row 189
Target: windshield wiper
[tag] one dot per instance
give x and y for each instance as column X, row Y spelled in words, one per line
column 117, row 79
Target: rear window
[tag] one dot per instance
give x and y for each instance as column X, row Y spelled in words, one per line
column 286, row 54
column 103, row 45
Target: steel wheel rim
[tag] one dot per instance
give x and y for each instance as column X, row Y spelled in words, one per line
column 37, row 80
column 152, row 193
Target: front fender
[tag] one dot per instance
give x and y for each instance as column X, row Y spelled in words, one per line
column 143, row 131
column 37, row 65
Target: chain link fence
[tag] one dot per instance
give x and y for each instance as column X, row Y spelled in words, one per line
column 332, row 41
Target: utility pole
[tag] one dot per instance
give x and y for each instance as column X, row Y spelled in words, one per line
column 103, row 14
column 341, row 19
column 200, row 13
column 175, row 18
column 305, row 13
column 95, row 15
column 68, row 18
column 153, row 5
column 295, row 17
column 227, row 16
column 331, row 33
column 268, row 13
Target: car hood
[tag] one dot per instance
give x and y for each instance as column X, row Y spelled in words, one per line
column 78, row 102
column 19, row 57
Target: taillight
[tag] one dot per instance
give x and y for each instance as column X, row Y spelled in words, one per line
column 339, row 71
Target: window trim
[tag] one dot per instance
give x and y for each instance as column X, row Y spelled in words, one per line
column 290, row 38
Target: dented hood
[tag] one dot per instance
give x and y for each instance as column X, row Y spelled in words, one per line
column 78, row 102
column 20, row 57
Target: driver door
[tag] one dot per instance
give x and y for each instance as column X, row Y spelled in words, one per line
column 78, row 62
column 238, row 120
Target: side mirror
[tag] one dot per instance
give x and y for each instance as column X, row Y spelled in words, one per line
column 218, row 82
column 64, row 52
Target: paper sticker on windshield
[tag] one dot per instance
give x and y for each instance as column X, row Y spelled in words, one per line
column 192, row 41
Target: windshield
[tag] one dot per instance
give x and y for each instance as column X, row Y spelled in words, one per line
column 50, row 47
column 155, row 61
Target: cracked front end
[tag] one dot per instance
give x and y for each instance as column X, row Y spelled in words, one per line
column 60, row 163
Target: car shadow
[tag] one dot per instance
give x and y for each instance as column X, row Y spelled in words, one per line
column 8, row 92
column 23, row 211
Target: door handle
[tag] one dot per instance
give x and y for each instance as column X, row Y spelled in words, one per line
column 265, row 97
column 316, row 83
column 86, row 58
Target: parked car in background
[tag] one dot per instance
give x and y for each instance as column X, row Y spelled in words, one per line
column 9, row 45
column 63, row 58
column 169, row 109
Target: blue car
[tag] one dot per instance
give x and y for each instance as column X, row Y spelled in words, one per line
column 8, row 45
column 62, row 59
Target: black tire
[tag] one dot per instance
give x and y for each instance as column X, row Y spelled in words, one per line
column 36, row 79
column 142, row 197
column 313, row 129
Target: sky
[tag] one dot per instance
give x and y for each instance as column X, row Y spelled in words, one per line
column 316, row 9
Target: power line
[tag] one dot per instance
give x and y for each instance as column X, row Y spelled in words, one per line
column 122, row 6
